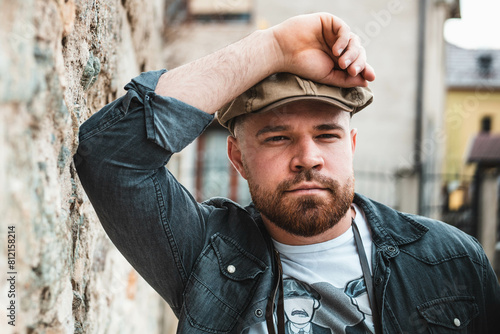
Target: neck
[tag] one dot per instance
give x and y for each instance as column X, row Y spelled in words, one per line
column 287, row 238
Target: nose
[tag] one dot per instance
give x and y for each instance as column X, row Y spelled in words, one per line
column 306, row 155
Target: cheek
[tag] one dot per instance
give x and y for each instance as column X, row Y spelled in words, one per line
column 338, row 160
column 264, row 160
column 265, row 171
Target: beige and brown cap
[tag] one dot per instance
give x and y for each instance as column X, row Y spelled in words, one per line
column 282, row 88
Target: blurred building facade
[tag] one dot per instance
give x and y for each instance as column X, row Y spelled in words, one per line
column 401, row 137
column 472, row 157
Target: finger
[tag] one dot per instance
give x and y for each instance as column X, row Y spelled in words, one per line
column 368, row 73
column 357, row 81
column 341, row 78
column 339, row 31
column 358, row 65
column 352, row 53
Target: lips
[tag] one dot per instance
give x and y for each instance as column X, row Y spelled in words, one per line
column 307, row 187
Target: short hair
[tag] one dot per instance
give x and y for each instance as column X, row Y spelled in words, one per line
column 296, row 289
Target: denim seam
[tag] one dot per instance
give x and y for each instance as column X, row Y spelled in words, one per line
column 105, row 125
column 245, row 303
column 258, row 301
column 166, row 228
column 391, row 315
column 206, row 287
column 193, row 321
column 373, row 220
column 226, row 202
column 261, row 265
column 480, row 263
column 483, row 286
column 387, row 238
column 483, row 260
column 423, row 308
column 439, row 261
column 149, row 118
column 423, row 229
column 148, row 88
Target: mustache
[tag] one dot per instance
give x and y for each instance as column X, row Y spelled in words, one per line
column 308, row 175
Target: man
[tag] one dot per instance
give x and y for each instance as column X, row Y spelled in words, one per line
column 221, row 266
column 301, row 302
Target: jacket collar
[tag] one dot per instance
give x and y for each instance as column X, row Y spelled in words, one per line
column 389, row 227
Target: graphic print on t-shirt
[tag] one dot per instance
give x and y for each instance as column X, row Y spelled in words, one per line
column 306, row 311
column 301, row 301
column 324, row 288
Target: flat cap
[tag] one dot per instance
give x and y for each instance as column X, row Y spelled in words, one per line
column 282, row 88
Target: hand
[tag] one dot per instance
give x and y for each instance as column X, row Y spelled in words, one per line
column 322, row 48
column 319, row 47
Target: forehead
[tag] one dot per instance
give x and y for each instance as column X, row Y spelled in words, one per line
column 297, row 115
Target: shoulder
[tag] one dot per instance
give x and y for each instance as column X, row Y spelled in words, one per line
column 444, row 235
column 225, row 206
column 242, row 225
column 232, row 208
column 427, row 239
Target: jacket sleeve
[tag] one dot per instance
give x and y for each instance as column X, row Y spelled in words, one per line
column 152, row 219
column 491, row 291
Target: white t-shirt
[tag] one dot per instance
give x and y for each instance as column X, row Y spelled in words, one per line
column 324, row 287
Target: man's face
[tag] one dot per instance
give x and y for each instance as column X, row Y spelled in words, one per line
column 300, row 310
column 297, row 160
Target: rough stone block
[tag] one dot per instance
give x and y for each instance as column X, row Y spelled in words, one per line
column 61, row 61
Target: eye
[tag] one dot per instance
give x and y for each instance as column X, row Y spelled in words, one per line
column 328, row 136
column 275, row 139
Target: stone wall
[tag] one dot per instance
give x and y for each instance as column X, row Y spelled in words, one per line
column 61, row 61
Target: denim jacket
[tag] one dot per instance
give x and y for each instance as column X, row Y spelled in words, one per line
column 428, row 276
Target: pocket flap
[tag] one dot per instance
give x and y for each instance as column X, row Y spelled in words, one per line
column 234, row 262
column 450, row 312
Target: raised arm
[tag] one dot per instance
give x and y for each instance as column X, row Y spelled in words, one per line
column 152, row 219
column 315, row 46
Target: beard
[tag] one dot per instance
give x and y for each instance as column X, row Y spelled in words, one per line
column 307, row 215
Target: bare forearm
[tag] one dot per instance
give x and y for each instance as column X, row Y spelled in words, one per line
column 318, row 46
column 210, row 82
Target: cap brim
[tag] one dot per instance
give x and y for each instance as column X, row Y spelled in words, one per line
column 324, row 99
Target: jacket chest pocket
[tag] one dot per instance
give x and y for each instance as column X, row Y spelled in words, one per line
column 221, row 285
column 450, row 314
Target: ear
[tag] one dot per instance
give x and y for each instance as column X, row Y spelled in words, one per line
column 354, row 135
column 316, row 304
column 235, row 155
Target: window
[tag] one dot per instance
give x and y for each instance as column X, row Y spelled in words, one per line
column 486, row 124
column 485, row 65
column 215, row 175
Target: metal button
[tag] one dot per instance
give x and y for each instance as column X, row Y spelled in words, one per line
column 457, row 322
column 231, row 269
column 391, row 249
column 259, row 313
column 378, row 280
